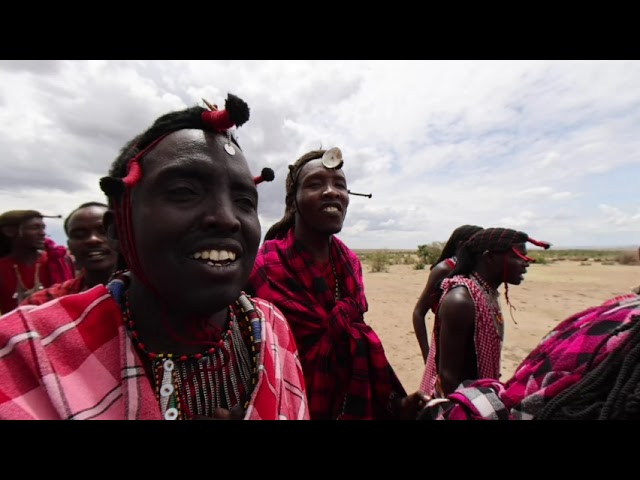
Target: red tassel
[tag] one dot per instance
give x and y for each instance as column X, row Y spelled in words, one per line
column 539, row 243
column 218, row 119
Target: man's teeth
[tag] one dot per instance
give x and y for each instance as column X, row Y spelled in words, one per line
column 330, row 209
column 215, row 255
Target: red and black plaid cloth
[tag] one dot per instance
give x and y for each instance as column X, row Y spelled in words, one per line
column 75, row 285
column 346, row 371
column 570, row 351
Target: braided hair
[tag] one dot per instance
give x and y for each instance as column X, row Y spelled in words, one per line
column 190, row 118
column 288, row 220
column 611, row 391
column 459, row 235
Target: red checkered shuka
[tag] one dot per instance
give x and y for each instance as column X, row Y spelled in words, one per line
column 347, row 374
column 73, row 358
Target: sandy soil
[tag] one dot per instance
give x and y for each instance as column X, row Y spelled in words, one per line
column 549, row 294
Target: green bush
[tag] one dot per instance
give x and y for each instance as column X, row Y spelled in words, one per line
column 379, row 262
column 430, row 252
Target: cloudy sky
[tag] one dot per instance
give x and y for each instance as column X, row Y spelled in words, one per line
column 548, row 147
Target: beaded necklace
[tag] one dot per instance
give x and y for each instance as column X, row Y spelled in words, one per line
column 22, row 291
column 492, row 296
column 335, row 276
column 220, row 377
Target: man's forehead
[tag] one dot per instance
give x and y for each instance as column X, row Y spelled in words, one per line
column 188, row 150
column 85, row 215
column 315, row 167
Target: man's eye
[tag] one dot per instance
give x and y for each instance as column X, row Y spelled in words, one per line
column 181, row 191
column 247, row 202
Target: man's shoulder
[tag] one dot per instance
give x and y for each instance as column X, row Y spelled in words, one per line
column 456, row 295
column 272, row 314
column 58, row 311
column 266, row 307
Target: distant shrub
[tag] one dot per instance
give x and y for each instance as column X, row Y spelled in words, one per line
column 627, row 258
column 429, row 253
column 419, row 266
column 409, row 259
column 379, row 262
column 540, row 259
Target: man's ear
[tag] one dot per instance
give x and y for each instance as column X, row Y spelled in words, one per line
column 489, row 257
column 10, row 231
column 109, row 223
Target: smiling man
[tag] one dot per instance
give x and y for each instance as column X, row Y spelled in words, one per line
column 469, row 327
column 173, row 336
column 87, row 242
column 316, row 281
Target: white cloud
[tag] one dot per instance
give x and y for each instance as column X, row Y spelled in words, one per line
column 437, row 143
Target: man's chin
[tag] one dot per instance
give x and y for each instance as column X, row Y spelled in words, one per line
column 207, row 303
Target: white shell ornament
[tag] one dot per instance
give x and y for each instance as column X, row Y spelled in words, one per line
column 229, row 148
column 332, row 158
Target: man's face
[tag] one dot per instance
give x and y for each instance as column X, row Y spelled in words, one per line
column 87, row 241
column 322, row 198
column 515, row 266
column 31, row 234
column 195, row 221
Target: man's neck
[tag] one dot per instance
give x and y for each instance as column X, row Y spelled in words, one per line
column 162, row 329
column 316, row 244
column 25, row 256
column 91, row 278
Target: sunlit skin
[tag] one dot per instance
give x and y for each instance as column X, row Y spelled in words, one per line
column 321, row 203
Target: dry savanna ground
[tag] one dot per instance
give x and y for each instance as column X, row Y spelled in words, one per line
column 549, row 294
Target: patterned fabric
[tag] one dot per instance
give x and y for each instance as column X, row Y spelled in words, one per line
column 75, row 285
column 571, row 350
column 347, row 374
column 487, row 338
column 73, row 359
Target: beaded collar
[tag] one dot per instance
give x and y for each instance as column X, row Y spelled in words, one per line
column 492, row 295
column 218, row 377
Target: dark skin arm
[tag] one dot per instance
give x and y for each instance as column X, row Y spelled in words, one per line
column 457, row 326
column 425, row 303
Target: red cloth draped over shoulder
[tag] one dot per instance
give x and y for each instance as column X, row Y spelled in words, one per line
column 59, row 263
column 346, row 371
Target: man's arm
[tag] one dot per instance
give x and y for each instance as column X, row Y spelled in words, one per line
column 427, row 301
